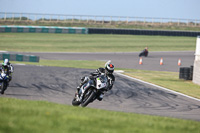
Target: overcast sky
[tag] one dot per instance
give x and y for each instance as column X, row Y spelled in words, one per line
column 186, row 9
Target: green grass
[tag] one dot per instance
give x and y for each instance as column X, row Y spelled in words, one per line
column 20, row 116
column 45, row 42
column 67, row 63
column 168, row 80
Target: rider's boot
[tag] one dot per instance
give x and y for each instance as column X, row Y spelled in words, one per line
column 77, row 90
column 83, row 81
column 100, row 97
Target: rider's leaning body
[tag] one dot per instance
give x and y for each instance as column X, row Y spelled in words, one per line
column 7, row 68
column 108, row 71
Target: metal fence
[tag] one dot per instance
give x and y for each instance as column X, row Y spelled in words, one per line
column 91, row 19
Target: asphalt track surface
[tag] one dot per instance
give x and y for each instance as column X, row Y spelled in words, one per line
column 57, row 84
column 130, row 60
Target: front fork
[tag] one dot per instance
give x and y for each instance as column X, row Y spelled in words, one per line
column 83, row 89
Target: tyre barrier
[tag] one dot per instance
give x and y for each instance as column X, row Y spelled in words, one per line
column 82, row 30
column 142, row 32
column 19, row 57
column 43, row 29
column 186, row 73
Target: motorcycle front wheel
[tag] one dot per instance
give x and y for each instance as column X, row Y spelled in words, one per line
column 3, row 88
column 88, row 97
column 75, row 102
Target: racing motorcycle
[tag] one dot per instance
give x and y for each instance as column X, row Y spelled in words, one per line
column 4, row 79
column 91, row 90
column 144, row 53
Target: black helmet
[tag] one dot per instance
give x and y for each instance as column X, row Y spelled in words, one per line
column 109, row 68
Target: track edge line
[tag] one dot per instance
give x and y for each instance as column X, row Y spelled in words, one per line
column 120, row 73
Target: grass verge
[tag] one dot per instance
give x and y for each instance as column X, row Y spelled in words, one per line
column 168, row 80
column 39, row 116
column 45, row 42
column 67, row 63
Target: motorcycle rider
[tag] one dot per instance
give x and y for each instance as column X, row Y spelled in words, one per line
column 108, row 71
column 7, row 68
column 144, row 52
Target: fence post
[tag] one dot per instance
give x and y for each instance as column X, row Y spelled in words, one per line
column 58, row 18
column 103, row 20
column 195, row 22
column 126, row 20
column 178, row 22
column 118, row 20
column 135, row 20
column 65, row 18
column 13, row 17
column 50, row 18
column 110, row 19
column 80, row 19
column 144, row 20
column 72, row 19
column 5, row 16
column 87, row 19
column 20, row 19
column 35, row 18
column 28, row 18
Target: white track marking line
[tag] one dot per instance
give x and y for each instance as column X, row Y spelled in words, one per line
column 20, row 64
column 119, row 73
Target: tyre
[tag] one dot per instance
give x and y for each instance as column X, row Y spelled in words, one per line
column 1, row 91
column 2, row 88
column 75, row 103
column 88, row 98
